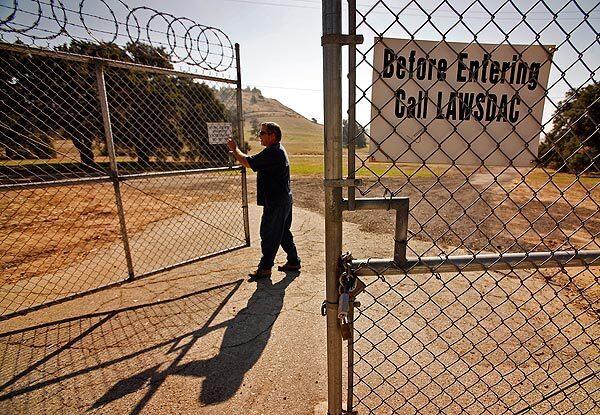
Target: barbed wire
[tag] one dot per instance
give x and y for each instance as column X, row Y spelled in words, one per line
column 183, row 40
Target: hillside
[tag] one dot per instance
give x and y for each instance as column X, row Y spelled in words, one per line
column 300, row 135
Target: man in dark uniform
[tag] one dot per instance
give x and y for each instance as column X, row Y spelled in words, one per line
column 274, row 193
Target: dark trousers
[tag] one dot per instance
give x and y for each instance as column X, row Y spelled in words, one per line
column 274, row 232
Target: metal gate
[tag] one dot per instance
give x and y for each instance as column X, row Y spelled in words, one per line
column 108, row 169
column 491, row 301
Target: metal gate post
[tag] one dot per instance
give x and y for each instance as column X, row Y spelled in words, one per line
column 351, row 139
column 332, row 96
column 114, row 173
column 240, row 117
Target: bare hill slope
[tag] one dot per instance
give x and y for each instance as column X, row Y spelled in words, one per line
column 300, row 135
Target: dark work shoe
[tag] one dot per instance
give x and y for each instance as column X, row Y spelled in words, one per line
column 289, row 266
column 260, row 273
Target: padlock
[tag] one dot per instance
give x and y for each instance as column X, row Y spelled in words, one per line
column 343, row 308
column 343, row 305
column 345, row 328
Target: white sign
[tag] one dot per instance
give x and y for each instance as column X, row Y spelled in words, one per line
column 219, row 132
column 446, row 102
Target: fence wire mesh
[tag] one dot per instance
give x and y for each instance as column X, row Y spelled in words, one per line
column 471, row 342
column 107, row 170
column 494, row 160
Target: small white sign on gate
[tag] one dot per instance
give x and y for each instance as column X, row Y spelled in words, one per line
column 219, row 132
column 457, row 103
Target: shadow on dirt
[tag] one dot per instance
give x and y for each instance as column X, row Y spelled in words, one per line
column 245, row 338
column 244, row 341
column 110, row 348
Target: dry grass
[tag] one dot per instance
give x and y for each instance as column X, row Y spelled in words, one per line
column 300, row 135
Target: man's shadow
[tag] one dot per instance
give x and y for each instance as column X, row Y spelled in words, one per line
column 245, row 338
column 244, row 341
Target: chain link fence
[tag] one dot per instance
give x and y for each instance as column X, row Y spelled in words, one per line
column 112, row 166
column 484, row 117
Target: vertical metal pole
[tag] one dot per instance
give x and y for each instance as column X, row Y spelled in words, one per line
column 350, row 351
column 332, row 100
column 401, row 233
column 240, row 117
column 114, row 173
column 351, row 103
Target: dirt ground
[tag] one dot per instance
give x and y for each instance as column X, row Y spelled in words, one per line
column 481, row 215
column 506, row 215
column 202, row 339
column 44, row 230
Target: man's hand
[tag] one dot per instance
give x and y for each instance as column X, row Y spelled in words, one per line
column 231, row 145
column 239, row 156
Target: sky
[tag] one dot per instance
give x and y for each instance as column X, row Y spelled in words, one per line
column 280, row 44
column 281, row 52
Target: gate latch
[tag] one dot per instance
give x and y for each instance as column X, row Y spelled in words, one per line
column 342, row 182
column 343, row 40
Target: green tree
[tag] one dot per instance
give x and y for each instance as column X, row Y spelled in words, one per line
column 360, row 138
column 573, row 144
column 75, row 90
column 200, row 106
column 141, row 104
column 151, row 114
column 254, row 127
column 22, row 88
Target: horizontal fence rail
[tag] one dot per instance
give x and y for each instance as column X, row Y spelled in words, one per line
column 74, row 57
column 479, row 262
column 102, row 179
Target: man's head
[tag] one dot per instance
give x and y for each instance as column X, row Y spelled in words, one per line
column 270, row 133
